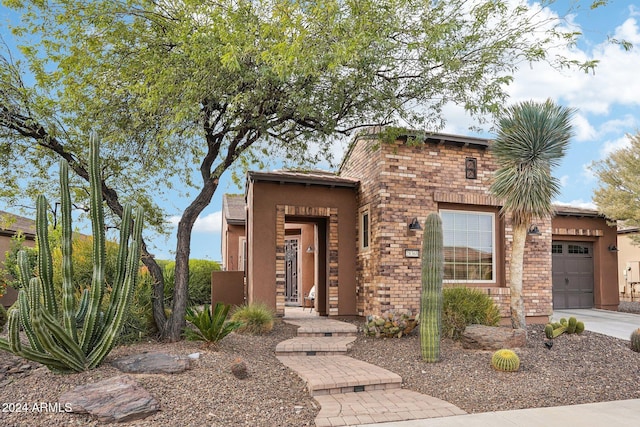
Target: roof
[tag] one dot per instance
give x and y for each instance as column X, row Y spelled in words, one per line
column 10, row 224
column 565, row 210
column 314, row 177
column 233, row 208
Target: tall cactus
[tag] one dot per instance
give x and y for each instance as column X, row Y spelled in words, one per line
column 82, row 336
column 431, row 295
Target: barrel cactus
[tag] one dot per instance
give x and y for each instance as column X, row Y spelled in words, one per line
column 431, row 295
column 635, row 340
column 505, row 360
column 75, row 335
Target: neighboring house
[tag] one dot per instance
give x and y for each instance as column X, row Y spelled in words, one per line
column 628, row 264
column 357, row 234
column 233, row 240
column 11, row 225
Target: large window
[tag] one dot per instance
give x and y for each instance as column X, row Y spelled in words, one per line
column 469, row 246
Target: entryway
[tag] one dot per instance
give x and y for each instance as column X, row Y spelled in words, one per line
column 572, row 274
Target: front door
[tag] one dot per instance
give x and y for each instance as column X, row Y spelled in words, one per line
column 292, row 294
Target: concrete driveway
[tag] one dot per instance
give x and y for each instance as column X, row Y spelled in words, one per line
column 612, row 323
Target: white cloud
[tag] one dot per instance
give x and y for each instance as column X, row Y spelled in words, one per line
column 583, row 129
column 211, row 223
column 616, row 144
column 564, row 180
column 588, row 173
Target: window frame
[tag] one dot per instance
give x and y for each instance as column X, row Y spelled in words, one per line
column 494, row 232
column 365, row 233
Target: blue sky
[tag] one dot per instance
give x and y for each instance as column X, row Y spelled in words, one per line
column 607, row 104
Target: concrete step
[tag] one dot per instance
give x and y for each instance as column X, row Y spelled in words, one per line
column 323, row 327
column 380, row 406
column 340, row 374
column 314, row 346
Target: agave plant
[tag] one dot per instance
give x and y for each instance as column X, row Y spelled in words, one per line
column 211, row 327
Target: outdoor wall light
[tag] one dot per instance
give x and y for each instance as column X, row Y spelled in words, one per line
column 613, row 248
column 414, row 224
column 310, row 249
column 533, row 230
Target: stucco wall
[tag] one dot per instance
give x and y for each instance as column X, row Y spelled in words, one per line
column 628, row 258
column 266, row 203
column 231, row 235
column 400, row 182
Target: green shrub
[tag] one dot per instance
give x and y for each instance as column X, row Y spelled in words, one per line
column 3, row 317
column 211, row 327
column 199, row 280
column 466, row 306
column 256, row 319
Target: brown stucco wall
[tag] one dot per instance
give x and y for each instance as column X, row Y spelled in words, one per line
column 231, row 235
column 266, row 203
column 227, row 287
column 628, row 257
column 400, row 182
column 605, row 262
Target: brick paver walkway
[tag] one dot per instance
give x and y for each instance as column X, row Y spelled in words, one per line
column 350, row 391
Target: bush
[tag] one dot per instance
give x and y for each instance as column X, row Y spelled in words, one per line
column 466, row 306
column 199, row 280
column 256, row 319
column 3, row 317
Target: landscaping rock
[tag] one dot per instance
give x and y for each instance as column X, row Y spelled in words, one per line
column 480, row 337
column 152, row 363
column 239, row 369
column 115, row 400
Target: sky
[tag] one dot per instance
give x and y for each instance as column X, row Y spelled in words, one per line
column 607, row 104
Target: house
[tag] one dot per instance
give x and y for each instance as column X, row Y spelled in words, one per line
column 357, row 234
column 628, row 264
column 10, row 226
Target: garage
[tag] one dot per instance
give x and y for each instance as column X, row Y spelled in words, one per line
column 573, row 278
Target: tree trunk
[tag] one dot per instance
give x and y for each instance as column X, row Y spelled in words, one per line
column 515, row 277
column 176, row 323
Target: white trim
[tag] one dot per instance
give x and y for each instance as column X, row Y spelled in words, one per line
column 364, row 211
column 493, row 245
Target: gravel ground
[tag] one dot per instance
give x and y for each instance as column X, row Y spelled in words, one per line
column 208, row 394
column 577, row 369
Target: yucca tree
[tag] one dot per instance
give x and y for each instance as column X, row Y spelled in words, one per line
column 532, row 139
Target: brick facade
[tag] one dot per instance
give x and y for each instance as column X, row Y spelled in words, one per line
column 399, row 182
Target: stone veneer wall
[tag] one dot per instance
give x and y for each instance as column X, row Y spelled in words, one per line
column 400, row 182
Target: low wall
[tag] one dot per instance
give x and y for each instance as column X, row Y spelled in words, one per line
column 227, row 287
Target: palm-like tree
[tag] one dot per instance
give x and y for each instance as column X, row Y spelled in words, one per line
column 532, row 139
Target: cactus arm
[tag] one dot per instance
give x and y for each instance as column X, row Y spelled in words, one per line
column 99, row 256
column 62, row 337
column 104, row 345
column 4, row 345
column 14, row 332
column 121, row 264
column 45, row 264
column 431, row 295
column 68, row 315
column 23, row 269
column 51, row 347
column 83, row 306
column 24, row 308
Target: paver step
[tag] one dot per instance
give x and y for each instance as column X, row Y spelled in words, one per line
column 314, row 346
column 380, row 406
column 323, row 327
column 340, row 374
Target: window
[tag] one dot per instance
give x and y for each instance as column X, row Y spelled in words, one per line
column 469, row 249
column 364, row 229
column 578, row 249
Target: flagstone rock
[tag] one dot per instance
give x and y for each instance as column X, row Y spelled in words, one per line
column 152, row 363
column 114, row 400
column 480, row 337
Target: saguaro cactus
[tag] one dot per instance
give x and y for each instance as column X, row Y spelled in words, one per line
column 431, row 295
column 82, row 336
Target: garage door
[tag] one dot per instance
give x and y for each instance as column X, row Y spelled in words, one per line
column 572, row 275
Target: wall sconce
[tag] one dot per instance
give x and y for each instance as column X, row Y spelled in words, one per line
column 414, row 225
column 613, row 248
column 533, row 230
column 310, row 249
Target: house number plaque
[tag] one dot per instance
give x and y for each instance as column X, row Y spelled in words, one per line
column 412, row 253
